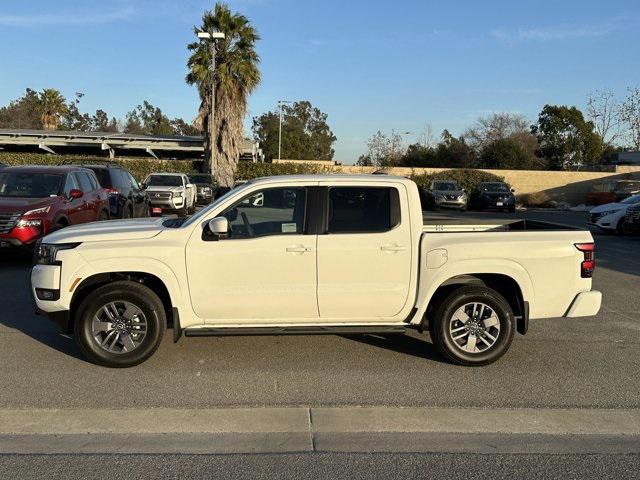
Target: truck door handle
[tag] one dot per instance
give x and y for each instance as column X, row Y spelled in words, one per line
column 298, row 249
column 393, row 248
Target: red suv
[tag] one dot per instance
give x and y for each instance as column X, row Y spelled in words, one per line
column 36, row 200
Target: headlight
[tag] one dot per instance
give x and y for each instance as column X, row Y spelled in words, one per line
column 462, row 197
column 35, row 222
column 45, row 253
column 177, row 194
column 38, row 211
column 604, row 214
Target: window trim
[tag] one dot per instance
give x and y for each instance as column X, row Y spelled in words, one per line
column 256, row 192
column 398, row 206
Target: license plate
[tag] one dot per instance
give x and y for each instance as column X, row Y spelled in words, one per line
column 499, row 204
column 156, row 210
column 5, row 244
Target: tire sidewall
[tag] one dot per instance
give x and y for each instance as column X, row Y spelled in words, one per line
column 83, row 327
column 507, row 326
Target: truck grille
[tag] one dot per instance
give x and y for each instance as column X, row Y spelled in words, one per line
column 159, row 196
column 8, row 221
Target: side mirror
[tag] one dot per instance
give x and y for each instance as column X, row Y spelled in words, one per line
column 219, row 226
column 189, row 185
column 75, row 193
column 143, row 186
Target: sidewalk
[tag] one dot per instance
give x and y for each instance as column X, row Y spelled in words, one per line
column 339, row 429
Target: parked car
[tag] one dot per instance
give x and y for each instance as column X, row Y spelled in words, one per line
column 611, row 216
column 35, row 201
column 632, row 219
column 205, row 187
column 446, row 194
column 611, row 191
column 494, row 195
column 170, row 193
column 349, row 255
column 127, row 199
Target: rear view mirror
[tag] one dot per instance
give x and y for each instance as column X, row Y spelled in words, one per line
column 219, row 226
column 75, row 193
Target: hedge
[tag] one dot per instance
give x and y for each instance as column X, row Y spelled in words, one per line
column 141, row 167
column 468, row 179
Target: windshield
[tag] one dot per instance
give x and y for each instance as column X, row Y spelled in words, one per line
column 164, row 181
column 201, row 179
column 494, row 187
column 202, row 213
column 631, row 200
column 40, row 185
column 446, row 186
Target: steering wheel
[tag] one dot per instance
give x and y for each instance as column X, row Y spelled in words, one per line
column 247, row 225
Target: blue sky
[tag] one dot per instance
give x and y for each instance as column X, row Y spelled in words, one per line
column 369, row 64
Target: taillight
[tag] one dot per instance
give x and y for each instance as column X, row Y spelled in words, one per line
column 112, row 191
column 589, row 262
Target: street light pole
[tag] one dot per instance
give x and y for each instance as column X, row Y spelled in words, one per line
column 212, row 37
column 280, row 103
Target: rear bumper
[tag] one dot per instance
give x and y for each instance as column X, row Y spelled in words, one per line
column 586, row 304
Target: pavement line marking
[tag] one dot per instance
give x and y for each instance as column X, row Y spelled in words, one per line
column 313, row 421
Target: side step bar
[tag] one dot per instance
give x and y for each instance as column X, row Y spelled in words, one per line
column 301, row 330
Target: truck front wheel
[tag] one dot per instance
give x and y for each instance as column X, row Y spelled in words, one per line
column 472, row 326
column 120, row 324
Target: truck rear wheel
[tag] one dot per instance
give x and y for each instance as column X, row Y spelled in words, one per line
column 120, row 324
column 472, row 326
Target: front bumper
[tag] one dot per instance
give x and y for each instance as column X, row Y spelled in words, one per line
column 586, row 304
column 48, row 277
column 448, row 203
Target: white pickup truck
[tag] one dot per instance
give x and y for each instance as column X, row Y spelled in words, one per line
column 316, row 254
column 171, row 193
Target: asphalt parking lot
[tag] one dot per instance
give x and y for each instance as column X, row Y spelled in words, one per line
column 589, row 362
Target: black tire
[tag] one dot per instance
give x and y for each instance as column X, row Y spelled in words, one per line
column 449, row 348
column 512, row 209
column 127, row 212
column 143, row 298
column 104, row 216
column 622, row 229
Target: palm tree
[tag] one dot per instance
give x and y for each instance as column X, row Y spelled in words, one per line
column 52, row 106
column 236, row 76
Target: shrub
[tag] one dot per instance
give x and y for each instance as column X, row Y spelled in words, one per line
column 469, row 180
column 536, row 199
column 141, row 167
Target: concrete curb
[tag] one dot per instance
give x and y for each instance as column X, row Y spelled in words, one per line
column 298, row 429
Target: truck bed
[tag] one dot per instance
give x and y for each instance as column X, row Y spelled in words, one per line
column 506, row 226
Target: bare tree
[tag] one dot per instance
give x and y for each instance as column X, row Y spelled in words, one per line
column 383, row 150
column 428, row 138
column 494, row 127
column 603, row 111
column 629, row 116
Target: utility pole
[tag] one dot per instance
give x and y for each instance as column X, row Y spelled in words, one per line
column 280, row 103
column 212, row 37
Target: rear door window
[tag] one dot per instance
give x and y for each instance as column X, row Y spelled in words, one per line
column 103, row 177
column 363, row 209
column 85, row 183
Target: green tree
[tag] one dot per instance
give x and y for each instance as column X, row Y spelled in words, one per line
column 566, row 139
column 147, row 119
column 100, row 122
column 420, row 156
column 305, row 133
column 507, row 153
column 73, row 119
column 23, row 112
column 237, row 75
column 454, row 152
column 52, row 106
